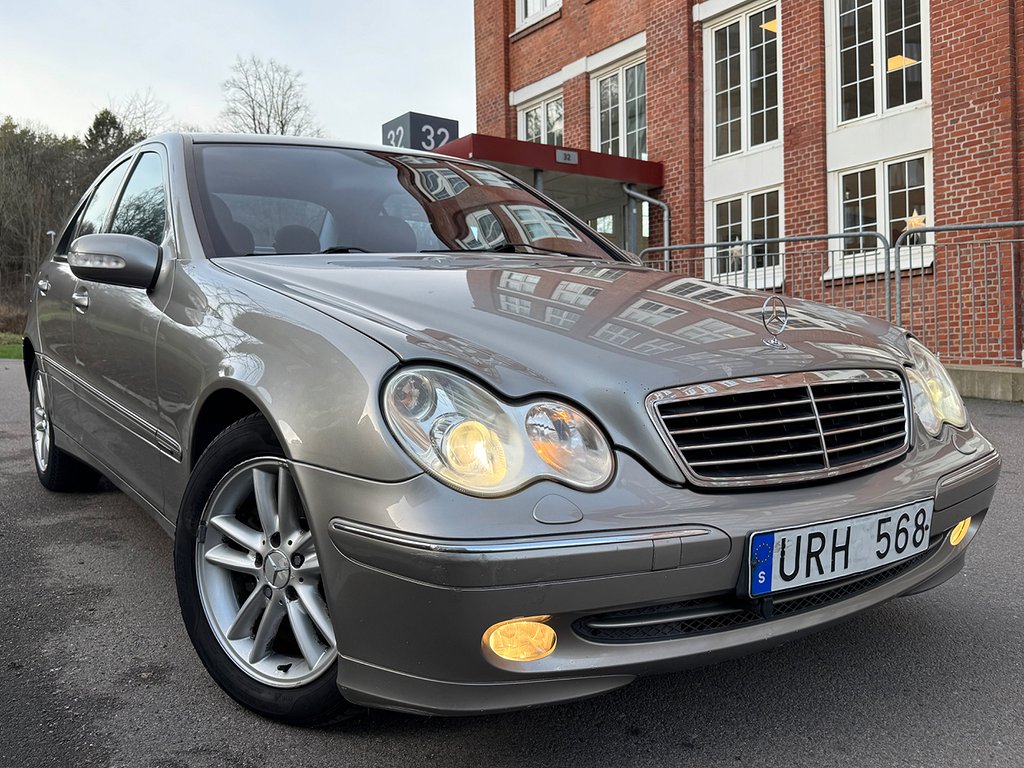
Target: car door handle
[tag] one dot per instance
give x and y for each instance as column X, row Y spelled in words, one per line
column 80, row 300
column 44, row 286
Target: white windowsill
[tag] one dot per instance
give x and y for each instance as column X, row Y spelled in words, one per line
column 529, row 21
column 873, row 262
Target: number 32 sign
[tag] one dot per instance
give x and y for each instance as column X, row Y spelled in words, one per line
column 417, row 131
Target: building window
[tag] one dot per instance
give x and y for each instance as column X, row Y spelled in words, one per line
column 657, row 347
column 519, row 281
column 562, row 318
column 542, row 224
column 621, row 111
column 514, row 305
column 577, row 294
column 897, row 23
column 613, row 333
column 442, row 183
column 902, row 202
column 745, row 77
column 529, row 11
column 647, row 312
column 543, row 121
column 753, row 216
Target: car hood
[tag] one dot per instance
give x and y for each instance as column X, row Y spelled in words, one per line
column 603, row 334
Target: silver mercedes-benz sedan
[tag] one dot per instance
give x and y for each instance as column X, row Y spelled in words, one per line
column 426, row 442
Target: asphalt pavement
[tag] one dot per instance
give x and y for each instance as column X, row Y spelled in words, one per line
column 98, row 671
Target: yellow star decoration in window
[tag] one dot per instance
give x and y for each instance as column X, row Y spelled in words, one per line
column 914, row 220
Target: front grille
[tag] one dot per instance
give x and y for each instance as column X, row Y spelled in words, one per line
column 716, row 614
column 786, row 428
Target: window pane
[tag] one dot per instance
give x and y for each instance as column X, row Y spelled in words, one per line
column 906, row 197
column 856, row 56
column 903, row 67
column 608, row 122
column 554, row 132
column 142, row 211
column 727, row 89
column 729, row 228
column 762, row 29
column 636, row 111
column 95, row 215
column 764, row 225
column 860, row 207
column 532, row 124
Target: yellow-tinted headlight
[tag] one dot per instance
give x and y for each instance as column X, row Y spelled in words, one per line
column 475, row 452
column 936, row 401
column 478, row 443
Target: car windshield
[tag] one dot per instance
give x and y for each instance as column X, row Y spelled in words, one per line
column 283, row 199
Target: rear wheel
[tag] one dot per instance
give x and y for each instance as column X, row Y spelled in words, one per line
column 57, row 470
column 249, row 581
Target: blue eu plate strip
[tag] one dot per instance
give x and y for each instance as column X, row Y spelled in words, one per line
column 762, row 549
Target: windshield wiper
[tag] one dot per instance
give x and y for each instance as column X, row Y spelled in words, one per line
column 510, row 248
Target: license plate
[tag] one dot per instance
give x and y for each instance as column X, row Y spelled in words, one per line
column 796, row 557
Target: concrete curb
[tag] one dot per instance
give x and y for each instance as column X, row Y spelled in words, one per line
column 989, row 382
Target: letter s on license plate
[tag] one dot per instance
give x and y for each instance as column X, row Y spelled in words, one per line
column 795, row 557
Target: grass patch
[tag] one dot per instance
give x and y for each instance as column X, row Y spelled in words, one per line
column 10, row 346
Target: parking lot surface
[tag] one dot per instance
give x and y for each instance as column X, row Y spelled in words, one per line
column 98, row 670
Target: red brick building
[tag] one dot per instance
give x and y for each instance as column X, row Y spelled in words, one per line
column 791, row 117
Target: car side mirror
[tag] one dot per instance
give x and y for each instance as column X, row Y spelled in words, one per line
column 115, row 259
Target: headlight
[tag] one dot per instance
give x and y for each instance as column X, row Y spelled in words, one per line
column 936, row 400
column 465, row 436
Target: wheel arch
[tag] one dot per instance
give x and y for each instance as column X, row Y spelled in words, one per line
column 28, row 354
column 221, row 408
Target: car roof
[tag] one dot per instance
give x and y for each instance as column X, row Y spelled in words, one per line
column 300, row 141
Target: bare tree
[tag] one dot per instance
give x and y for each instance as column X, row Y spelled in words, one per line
column 142, row 113
column 266, row 97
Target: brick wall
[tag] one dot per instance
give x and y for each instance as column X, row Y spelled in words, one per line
column 977, row 73
column 492, row 22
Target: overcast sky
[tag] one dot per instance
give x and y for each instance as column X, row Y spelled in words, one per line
column 363, row 63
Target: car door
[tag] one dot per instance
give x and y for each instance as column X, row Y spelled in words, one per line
column 56, row 286
column 114, row 334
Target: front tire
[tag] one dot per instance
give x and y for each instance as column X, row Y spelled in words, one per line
column 249, row 582
column 58, row 470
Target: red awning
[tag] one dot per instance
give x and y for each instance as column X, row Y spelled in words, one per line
column 529, row 154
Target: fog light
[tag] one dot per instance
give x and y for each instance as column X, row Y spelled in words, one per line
column 526, row 639
column 957, row 534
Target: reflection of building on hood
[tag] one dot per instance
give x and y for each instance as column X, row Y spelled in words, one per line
column 623, row 307
column 473, row 355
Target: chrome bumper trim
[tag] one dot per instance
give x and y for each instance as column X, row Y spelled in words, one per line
column 508, row 545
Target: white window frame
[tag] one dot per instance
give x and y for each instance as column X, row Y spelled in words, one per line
column 650, row 312
column 870, row 261
column 548, row 7
column 618, row 68
column 543, row 104
column 709, row 73
column 834, row 91
column 752, row 277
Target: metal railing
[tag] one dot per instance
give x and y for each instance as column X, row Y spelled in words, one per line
column 960, row 296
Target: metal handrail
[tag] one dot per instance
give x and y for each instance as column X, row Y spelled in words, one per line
column 901, row 242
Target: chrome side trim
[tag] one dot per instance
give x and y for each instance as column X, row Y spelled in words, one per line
column 508, row 545
column 155, row 437
column 976, row 468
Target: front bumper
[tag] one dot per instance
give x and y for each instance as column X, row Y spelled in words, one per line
column 410, row 609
